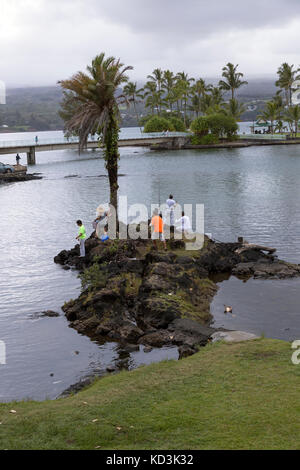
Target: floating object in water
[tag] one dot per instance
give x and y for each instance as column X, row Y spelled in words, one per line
column 228, row 309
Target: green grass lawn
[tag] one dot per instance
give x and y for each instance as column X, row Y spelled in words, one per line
column 228, row 396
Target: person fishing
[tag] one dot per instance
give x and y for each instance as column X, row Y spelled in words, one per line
column 171, row 204
column 105, row 235
column 158, row 229
column 101, row 221
column 183, row 224
column 81, row 238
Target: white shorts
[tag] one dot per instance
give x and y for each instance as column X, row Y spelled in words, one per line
column 158, row 236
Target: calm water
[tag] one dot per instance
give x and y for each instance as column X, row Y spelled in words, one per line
column 251, row 192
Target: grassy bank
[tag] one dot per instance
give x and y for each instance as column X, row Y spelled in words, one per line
column 228, row 396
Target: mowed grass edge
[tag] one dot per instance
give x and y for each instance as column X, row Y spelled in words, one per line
column 227, row 396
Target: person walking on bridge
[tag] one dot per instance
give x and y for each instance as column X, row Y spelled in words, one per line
column 81, row 238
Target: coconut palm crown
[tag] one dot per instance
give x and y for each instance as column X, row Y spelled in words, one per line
column 233, row 79
column 91, row 105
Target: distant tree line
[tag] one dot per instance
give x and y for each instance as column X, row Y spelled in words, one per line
column 178, row 96
column 281, row 109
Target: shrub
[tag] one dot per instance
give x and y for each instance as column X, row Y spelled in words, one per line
column 158, row 124
column 178, row 124
column 144, row 119
column 222, row 125
column 218, row 125
column 200, row 126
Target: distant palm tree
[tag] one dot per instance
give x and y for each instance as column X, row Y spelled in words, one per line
column 286, row 78
column 133, row 95
column 91, row 106
column 153, row 96
column 217, row 95
column 232, row 79
column 212, row 102
column 196, row 105
column 292, row 116
column 183, row 85
column 168, row 84
column 271, row 113
column 157, row 77
column 199, row 90
column 234, row 109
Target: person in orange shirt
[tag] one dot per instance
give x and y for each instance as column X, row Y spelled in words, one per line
column 158, row 229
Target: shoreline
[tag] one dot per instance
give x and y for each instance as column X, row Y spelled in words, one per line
column 200, row 395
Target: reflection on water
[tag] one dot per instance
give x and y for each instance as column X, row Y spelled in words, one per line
column 251, row 192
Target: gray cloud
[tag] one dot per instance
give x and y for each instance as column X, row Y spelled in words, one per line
column 42, row 41
column 196, row 18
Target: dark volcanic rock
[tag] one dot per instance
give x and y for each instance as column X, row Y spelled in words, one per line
column 50, row 314
column 186, row 351
column 17, row 177
column 267, row 270
column 136, row 295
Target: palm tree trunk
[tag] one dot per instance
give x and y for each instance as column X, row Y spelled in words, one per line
column 136, row 115
column 112, row 157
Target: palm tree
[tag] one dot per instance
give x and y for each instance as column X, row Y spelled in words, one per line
column 196, row 105
column 286, row 78
column 168, row 84
column 271, row 113
column 183, row 84
column 157, row 77
column 199, row 89
column 217, row 95
column 93, row 99
column 153, row 96
column 234, row 109
column 292, row 116
column 232, row 79
column 133, row 95
column 212, row 102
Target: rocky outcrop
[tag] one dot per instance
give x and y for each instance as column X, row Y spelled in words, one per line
column 135, row 295
column 15, row 177
column 267, row 269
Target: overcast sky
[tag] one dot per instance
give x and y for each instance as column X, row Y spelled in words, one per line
column 43, row 41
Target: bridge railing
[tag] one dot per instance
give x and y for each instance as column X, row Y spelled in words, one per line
column 263, row 136
column 70, row 140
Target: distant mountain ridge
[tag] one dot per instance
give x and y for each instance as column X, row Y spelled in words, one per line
column 36, row 108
